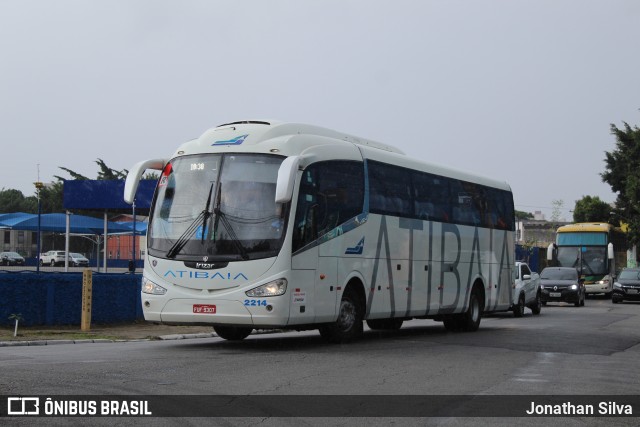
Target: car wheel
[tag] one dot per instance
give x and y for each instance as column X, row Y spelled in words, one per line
column 53, row 263
column 232, row 333
column 518, row 309
column 537, row 306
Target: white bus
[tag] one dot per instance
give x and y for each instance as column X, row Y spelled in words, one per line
column 259, row 225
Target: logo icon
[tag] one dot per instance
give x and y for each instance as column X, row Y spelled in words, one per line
column 233, row 141
column 23, row 406
column 357, row 249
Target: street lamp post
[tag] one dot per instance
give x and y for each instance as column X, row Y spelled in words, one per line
column 39, row 186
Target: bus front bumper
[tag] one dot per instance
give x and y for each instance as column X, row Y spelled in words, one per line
column 184, row 311
column 598, row 288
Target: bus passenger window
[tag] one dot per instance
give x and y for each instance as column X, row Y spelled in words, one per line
column 331, row 193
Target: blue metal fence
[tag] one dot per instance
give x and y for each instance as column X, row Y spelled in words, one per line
column 56, row 298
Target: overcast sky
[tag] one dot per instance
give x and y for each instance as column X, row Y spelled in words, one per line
column 518, row 90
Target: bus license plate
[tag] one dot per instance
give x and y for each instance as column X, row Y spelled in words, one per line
column 555, row 294
column 204, row 309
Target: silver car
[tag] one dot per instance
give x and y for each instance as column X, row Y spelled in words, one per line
column 78, row 260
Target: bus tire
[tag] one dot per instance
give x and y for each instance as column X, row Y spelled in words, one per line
column 470, row 319
column 348, row 326
column 232, row 333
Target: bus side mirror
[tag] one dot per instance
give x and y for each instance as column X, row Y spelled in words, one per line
column 610, row 253
column 550, row 252
column 286, row 179
column 134, row 175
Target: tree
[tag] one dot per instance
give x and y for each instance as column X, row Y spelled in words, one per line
column 14, row 201
column 591, row 209
column 51, row 198
column 622, row 174
column 105, row 172
column 520, row 215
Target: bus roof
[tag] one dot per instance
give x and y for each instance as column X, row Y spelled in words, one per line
column 585, row 227
column 275, row 136
column 263, row 130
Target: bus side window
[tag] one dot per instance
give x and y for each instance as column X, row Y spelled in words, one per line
column 390, row 189
column 330, row 193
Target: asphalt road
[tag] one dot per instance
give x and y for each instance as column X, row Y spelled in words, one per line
column 566, row 350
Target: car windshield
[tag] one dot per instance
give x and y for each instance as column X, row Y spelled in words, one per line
column 221, row 207
column 13, row 254
column 75, row 255
column 629, row 275
column 557, row 274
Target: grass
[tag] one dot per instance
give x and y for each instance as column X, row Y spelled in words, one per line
column 43, row 333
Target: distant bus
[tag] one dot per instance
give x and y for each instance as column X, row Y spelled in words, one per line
column 589, row 248
column 259, row 225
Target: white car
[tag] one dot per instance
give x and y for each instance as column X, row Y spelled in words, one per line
column 526, row 290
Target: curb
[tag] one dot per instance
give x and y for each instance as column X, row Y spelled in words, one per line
column 102, row 341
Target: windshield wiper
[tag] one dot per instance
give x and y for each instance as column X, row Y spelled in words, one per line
column 206, row 213
column 221, row 216
column 232, row 234
column 191, row 230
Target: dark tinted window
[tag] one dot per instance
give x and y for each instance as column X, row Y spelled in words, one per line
column 331, row 193
column 407, row 193
column 390, row 190
column 431, row 197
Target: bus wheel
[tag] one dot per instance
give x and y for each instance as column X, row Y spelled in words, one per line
column 232, row 333
column 518, row 309
column 385, row 324
column 470, row 319
column 348, row 326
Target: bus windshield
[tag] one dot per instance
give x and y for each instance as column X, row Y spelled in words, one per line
column 588, row 260
column 217, row 207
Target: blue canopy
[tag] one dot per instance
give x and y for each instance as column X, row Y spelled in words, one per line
column 141, row 227
column 57, row 222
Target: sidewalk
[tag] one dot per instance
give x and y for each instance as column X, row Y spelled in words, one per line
column 138, row 331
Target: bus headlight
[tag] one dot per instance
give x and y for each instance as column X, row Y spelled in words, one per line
column 271, row 289
column 148, row 287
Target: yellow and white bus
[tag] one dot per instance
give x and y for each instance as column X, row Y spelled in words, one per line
column 590, row 249
column 258, row 225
